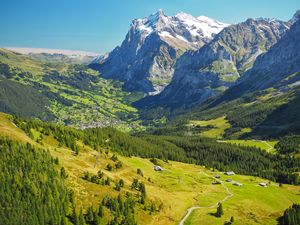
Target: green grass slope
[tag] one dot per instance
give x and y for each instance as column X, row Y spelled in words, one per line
column 73, row 94
column 169, row 193
column 267, row 114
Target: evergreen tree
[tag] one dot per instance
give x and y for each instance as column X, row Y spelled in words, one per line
column 63, row 173
column 96, row 220
column 291, row 216
column 81, row 219
column 101, row 211
column 90, row 215
column 75, row 218
column 109, row 167
column 39, row 190
column 219, row 212
column 121, row 183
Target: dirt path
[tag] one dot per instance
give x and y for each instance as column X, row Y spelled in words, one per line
column 190, row 210
column 270, row 146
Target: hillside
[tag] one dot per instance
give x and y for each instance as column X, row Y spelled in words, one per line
column 269, row 114
column 168, row 193
column 266, row 98
column 65, row 93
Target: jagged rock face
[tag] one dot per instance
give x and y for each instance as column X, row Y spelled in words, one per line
column 215, row 67
column 145, row 60
column 278, row 68
column 295, row 17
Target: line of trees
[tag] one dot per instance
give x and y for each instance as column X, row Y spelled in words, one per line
column 188, row 149
column 288, row 144
column 291, row 216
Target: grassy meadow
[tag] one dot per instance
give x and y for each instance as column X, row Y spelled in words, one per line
column 178, row 187
column 216, row 129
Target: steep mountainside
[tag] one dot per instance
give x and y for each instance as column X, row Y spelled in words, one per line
column 278, row 68
column 19, row 99
column 213, row 68
column 266, row 98
column 145, row 60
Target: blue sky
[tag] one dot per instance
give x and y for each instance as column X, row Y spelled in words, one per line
column 100, row 25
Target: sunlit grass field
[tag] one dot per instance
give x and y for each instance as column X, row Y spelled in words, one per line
column 219, row 125
column 179, row 187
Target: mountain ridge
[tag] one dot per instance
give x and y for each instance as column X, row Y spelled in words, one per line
column 210, row 70
column 146, row 57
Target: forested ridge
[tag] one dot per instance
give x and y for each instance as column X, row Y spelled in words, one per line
column 31, row 190
column 189, row 149
column 288, row 144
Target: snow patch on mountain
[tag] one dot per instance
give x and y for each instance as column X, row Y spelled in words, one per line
column 182, row 26
column 146, row 58
column 202, row 25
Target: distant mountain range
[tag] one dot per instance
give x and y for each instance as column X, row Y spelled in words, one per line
column 51, row 51
column 56, row 55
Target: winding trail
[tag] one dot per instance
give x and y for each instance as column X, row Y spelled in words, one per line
column 270, row 146
column 190, row 210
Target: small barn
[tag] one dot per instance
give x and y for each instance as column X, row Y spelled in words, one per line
column 229, row 173
column 237, row 184
column 217, row 176
column 228, row 180
column 263, row 184
column 217, row 182
column 158, row 168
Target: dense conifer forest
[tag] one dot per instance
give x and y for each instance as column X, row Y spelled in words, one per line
column 189, row 149
column 31, row 190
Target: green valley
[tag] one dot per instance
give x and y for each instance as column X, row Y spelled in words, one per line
column 64, row 93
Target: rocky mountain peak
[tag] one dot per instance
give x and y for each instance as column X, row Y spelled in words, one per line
column 145, row 60
column 216, row 66
column 183, row 28
column 295, row 17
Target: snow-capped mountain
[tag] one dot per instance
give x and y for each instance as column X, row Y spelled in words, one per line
column 194, row 31
column 216, row 66
column 145, row 60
